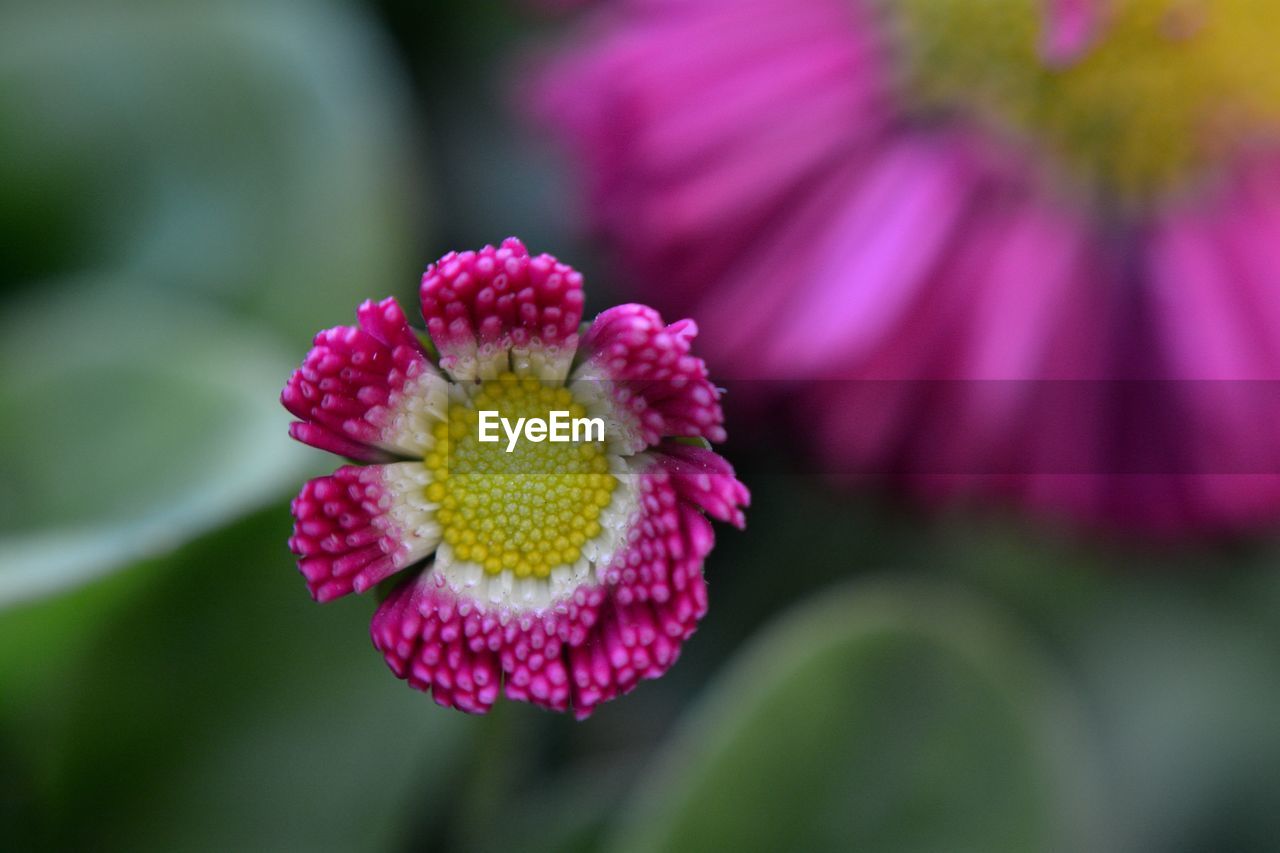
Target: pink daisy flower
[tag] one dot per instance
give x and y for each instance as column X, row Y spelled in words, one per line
column 1023, row 248
column 557, row 572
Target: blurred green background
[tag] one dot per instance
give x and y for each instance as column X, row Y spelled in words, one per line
column 188, row 191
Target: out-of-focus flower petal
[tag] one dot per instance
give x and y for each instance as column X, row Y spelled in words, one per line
column 1070, row 27
column 965, row 285
column 698, row 121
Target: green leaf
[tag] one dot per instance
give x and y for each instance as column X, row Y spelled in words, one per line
column 250, row 152
column 129, row 424
column 888, row 717
column 218, row 708
column 222, row 171
column 1181, row 671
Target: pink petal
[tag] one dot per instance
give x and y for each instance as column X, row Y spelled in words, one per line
column 346, row 536
column 351, row 389
column 877, row 255
column 696, row 121
column 479, row 305
column 658, row 388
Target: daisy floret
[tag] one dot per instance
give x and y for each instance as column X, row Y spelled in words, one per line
column 543, row 491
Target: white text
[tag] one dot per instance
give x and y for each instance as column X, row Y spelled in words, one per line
column 558, row 427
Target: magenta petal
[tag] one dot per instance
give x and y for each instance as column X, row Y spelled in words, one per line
column 479, row 305
column 877, row 255
column 349, row 391
column 706, row 480
column 649, row 371
column 697, row 121
column 345, row 536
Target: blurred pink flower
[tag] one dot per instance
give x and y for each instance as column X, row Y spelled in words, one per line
column 1026, row 249
column 558, row 573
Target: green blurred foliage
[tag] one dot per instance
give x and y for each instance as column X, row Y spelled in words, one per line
column 118, row 445
column 254, row 153
column 203, row 702
column 887, row 716
column 189, row 192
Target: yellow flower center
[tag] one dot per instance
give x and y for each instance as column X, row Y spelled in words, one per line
column 525, row 510
column 1164, row 90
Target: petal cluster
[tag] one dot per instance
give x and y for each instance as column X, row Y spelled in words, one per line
column 590, row 628
column 588, row 647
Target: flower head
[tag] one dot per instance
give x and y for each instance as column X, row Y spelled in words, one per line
column 1067, row 210
column 558, row 564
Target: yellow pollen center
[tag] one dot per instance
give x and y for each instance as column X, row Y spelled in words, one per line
column 526, row 511
column 1165, row 89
